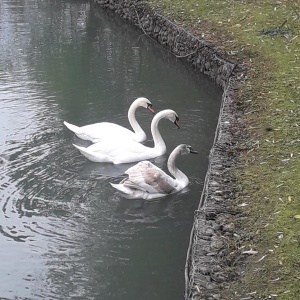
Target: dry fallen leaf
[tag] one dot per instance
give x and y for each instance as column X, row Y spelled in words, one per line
column 250, row 252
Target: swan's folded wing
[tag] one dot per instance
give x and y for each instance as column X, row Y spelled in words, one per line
column 150, row 178
column 106, row 130
column 115, row 147
column 133, row 186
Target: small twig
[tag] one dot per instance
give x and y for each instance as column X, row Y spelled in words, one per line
column 250, row 252
column 137, row 15
column 184, row 56
column 263, row 257
column 282, row 24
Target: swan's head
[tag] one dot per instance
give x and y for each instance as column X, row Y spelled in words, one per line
column 144, row 102
column 173, row 117
column 186, row 149
column 167, row 114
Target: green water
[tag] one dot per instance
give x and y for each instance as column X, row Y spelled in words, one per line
column 64, row 232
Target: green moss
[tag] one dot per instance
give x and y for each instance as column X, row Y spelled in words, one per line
column 269, row 180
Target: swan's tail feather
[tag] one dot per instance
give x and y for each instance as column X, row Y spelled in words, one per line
column 95, row 157
column 120, row 187
column 81, row 149
column 73, row 128
column 129, row 193
column 88, row 154
column 135, row 194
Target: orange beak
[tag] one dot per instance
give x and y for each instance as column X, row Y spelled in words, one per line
column 149, row 107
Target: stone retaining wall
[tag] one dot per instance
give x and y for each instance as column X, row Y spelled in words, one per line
column 206, row 270
column 177, row 40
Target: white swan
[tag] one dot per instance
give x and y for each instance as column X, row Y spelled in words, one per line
column 96, row 132
column 127, row 151
column 147, row 181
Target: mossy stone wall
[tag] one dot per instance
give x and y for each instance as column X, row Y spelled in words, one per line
column 182, row 43
column 206, row 269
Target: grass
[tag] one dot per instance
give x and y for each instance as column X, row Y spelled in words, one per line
column 268, row 178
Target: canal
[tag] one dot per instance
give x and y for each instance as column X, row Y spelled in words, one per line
column 65, row 233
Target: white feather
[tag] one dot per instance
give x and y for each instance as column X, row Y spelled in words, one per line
column 147, row 181
column 98, row 131
column 119, row 151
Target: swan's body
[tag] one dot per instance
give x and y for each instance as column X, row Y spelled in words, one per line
column 98, row 131
column 127, row 151
column 147, row 181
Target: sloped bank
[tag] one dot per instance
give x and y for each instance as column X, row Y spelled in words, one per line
column 206, row 268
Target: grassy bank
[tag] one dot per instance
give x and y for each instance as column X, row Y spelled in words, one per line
column 263, row 35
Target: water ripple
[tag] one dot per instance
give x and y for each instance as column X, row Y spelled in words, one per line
column 64, row 231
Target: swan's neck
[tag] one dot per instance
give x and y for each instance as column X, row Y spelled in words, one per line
column 180, row 177
column 132, row 120
column 159, row 144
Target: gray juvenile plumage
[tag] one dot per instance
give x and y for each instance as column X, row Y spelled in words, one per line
column 147, row 181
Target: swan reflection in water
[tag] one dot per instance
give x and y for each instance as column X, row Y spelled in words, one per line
column 149, row 211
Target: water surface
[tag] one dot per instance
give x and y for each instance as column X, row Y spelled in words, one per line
column 64, row 232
